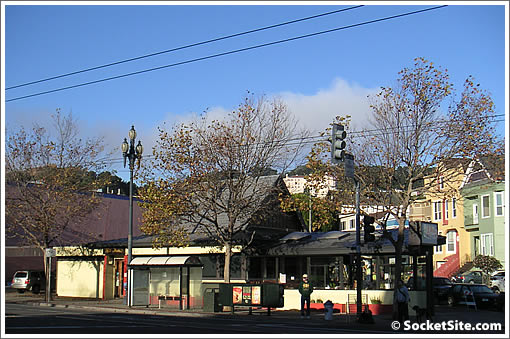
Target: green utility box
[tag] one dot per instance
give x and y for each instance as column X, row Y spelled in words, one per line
column 253, row 295
column 211, row 296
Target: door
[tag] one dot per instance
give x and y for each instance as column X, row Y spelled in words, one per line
column 118, row 279
column 477, row 245
column 140, row 287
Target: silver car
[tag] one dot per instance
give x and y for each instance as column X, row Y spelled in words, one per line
column 29, row 281
column 498, row 282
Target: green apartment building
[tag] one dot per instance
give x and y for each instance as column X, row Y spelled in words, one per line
column 483, row 193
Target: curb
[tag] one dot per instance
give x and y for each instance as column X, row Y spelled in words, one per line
column 121, row 310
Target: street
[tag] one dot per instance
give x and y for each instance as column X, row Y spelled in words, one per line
column 28, row 314
column 27, row 319
column 30, row 318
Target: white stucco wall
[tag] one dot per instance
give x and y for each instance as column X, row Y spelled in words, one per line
column 292, row 298
column 79, row 278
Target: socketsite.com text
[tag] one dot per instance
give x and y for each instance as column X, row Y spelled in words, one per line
column 450, row 325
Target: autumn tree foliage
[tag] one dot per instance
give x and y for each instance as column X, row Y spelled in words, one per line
column 210, row 174
column 419, row 129
column 50, row 181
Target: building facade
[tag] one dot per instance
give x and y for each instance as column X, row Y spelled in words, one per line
column 484, row 208
column 298, row 184
column 439, row 201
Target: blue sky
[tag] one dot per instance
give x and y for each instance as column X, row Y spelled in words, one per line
column 318, row 77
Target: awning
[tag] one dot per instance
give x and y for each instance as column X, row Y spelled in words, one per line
column 166, row 261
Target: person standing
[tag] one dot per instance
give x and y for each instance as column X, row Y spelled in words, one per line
column 402, row 298
column 305, row 289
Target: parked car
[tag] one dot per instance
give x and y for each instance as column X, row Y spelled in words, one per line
column 440, row 287
column 483, row 295
column 497, row 282
column 500, row 302
column 471, row 277
column 29, row 281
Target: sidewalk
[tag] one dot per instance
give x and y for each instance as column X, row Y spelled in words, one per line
column 382, row 323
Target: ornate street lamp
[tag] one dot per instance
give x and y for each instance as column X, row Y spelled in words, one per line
column 129, row 151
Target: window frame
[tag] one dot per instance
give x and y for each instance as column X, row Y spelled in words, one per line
column 487, row 197
column 352, row 224
column 496, row 205
column 454, row 242
column 491, row 244
column 454, row 208
column 476, row 216
column 441, row 182
column 438, row 210
column 438, row 248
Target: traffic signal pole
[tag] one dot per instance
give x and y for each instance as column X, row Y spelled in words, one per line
column 359, row 277
column 339, row 156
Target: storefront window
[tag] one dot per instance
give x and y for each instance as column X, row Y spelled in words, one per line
column 294, row 269
column 209, row 262
column 327, row 272
column 255, row 268
column 386, row 271
column 270, row 268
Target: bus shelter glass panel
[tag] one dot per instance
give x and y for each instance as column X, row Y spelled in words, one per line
column 165, row 285
column 195, row 287
column 139, row 290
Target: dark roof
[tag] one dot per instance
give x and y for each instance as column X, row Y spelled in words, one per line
column 487, row 169
column 332, row 243
column 261, row 229
column 495, row 165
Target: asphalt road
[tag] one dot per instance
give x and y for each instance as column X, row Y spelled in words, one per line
column 28, row 319
column 25, row 315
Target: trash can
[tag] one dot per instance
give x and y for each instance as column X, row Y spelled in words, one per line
column 211, row 300
column 328, row 307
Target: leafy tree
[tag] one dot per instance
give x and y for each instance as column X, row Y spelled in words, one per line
column 419, row 130
column 487, row 264
column 50, row 181
column 208, row 174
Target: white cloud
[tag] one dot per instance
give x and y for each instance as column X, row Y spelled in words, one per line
column 316, row 112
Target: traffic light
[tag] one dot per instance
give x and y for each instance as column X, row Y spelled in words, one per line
column 338, row 135
column 368, row 228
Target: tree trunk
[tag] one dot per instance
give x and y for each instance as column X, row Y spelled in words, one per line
column 226, row 268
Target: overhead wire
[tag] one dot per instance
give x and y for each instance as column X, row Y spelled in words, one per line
column 225, row 53
column 322, row 138
column 184, row 47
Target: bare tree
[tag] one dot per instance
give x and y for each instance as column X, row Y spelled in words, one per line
column 50, row 181
column 210, row 174
column 418, row 131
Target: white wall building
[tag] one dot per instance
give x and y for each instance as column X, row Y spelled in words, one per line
column 347, row 217
column 298, row 184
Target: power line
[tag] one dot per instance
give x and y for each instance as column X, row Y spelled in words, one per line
column 226, row 53
column 322, row 138
column 183, row 47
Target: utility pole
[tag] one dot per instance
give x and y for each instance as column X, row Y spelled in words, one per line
column 349, row 172
column 359, row 276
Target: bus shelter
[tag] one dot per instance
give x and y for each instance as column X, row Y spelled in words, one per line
column 168, row 281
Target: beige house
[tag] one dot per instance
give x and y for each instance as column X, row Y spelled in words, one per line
column 439, row 201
